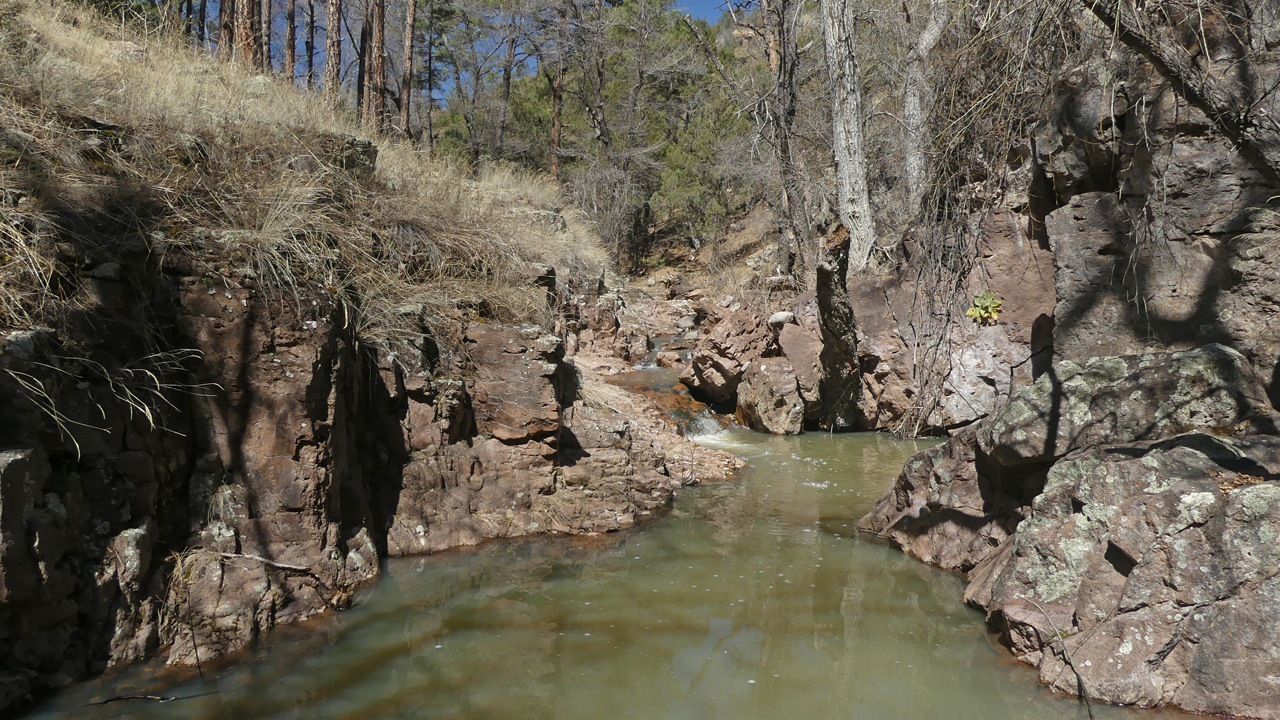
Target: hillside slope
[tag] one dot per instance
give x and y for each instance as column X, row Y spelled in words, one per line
column 245, row 354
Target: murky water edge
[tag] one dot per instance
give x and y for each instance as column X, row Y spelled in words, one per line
column 750, row 599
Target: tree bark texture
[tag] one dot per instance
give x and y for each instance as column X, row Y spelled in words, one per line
column 841, row 384
column 377, row 79
column 853, row 201
column 310, row 44
column 1256, row 134
column 226, row 29
column 332, row 51
column 290, row 38
column 406, row 63
column 264, row 36
column 917, row 96
column 243, row 32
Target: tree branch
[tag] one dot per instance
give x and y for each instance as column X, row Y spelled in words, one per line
column 1258, row 143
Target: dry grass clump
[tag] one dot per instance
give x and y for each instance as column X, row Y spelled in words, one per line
column 153, row 147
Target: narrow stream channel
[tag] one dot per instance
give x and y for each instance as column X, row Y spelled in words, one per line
column 751, row 599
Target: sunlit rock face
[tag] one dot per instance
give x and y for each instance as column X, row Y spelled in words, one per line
column 1116, row 520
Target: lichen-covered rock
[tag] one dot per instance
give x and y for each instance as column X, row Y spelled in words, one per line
column 951, row 506
column 1119, row 399
column 769, row 398
column 1153, row 568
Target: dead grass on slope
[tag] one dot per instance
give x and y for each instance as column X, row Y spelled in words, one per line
column 110, row 148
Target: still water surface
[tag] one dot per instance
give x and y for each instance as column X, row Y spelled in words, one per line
column 751, row 599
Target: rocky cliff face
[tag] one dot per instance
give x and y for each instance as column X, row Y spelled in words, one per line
column 1130, row 225
column 188, row 503
column 1113, row 519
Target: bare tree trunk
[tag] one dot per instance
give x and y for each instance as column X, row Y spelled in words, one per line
column 203, row 18
column 264, row 36
column 332, row 51
column 362, row 68
column 784, row 58
column 377, row 80
column 290, row 39
column 853, row 202
column 916, row 98
column 226, row 29
column 508, row 65
column 311, row 44
column 1257, row 134
column 406, row 62
column 244, row 45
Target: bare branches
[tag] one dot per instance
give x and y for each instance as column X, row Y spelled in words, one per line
column 1257, row 135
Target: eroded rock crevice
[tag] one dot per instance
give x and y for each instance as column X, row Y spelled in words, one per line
column 261, row 477
column 1119, row 539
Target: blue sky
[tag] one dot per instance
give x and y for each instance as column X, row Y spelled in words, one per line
column 708, row 10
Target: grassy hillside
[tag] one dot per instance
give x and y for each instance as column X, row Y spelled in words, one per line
column 118, row 142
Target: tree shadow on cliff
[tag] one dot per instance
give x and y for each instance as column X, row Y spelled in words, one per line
column 1127, row 280
column 1135, row 217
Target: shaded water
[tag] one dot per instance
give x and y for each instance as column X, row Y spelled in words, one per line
column 751, row 599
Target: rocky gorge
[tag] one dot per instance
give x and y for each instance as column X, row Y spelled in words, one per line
column 194, row 456
column 272, row 483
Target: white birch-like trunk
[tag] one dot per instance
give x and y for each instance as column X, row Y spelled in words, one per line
column 853, row 202
column 917, row 96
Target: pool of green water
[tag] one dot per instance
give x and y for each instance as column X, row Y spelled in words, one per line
column 750, row 599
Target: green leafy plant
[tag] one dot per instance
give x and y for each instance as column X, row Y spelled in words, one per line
column 986, row 308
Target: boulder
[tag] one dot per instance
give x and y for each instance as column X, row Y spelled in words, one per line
column 951, row 506
column 670, row 359
column 777, row 320
column 1152, row 567
column 803, row 349
column 769, row 398
column 511, row 383
column 720, row 357
column 1124, row 398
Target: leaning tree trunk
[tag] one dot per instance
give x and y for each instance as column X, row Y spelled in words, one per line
column 853, row 201
column 1244, row 123
column 916, row 97
column 332, row 52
